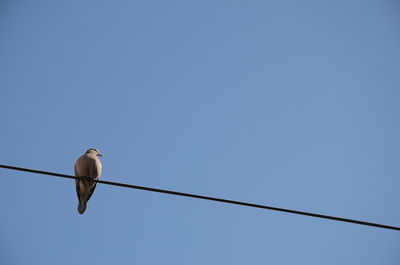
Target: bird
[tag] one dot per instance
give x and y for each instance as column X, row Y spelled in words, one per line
column 87, row 168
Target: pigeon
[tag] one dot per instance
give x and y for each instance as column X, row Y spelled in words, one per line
column 87, row 168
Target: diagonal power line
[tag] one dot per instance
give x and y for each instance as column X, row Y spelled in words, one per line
column 335, row 218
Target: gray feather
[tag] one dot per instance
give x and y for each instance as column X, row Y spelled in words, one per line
column 88, row 168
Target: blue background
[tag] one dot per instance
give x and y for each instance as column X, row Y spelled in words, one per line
column 293, row 104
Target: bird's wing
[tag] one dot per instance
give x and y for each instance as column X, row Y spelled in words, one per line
column 91, row 190
column 77, row 181
column 78, row 189
column 94, row 173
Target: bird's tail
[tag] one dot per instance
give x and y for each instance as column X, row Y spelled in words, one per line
column 81, row 207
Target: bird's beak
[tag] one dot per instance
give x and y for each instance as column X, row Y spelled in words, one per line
column 99, row 155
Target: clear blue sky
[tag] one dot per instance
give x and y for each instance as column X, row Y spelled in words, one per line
column 293, row 104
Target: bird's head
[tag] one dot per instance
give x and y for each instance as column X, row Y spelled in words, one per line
column 93, row 151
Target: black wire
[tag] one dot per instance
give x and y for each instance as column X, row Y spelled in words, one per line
column 211, row 199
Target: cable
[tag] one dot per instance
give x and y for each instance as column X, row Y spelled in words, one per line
column 210, row 198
